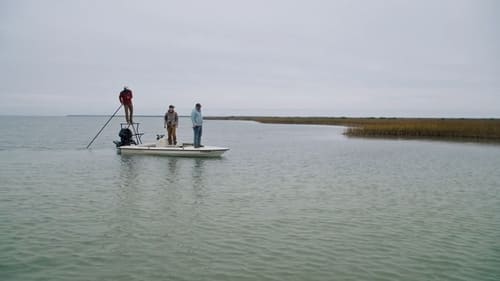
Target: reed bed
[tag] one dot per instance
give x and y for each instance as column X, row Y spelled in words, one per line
column 470, row 129
column 478, row 129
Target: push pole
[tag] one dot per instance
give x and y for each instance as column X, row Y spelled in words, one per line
column 105, row 125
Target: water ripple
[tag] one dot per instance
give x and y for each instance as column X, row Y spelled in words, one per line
column 338, row 210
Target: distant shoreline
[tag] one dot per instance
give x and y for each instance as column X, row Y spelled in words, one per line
column 468, row 129
column 313, row 120
column 117, row 116
column 107, row 115
column 480, row 129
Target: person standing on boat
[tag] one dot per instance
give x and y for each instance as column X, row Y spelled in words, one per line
column 126, row 101
column 171, row 123
column 197, row 120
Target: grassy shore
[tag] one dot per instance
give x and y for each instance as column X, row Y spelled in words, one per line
column 441, row 128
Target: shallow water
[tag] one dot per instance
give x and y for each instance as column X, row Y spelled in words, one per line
column 287, row 202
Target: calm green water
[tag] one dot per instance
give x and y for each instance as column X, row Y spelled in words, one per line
column 285, row 203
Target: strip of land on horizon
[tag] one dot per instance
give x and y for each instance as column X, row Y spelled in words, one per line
column 481, row 129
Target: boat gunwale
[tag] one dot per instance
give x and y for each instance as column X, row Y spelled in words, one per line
column 177, row 151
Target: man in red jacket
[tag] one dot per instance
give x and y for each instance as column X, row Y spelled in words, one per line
column 126, row 100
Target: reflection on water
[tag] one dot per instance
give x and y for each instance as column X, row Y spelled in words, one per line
column 163, row 178
column 198, row 169
column 172, row 165
column 198, row 181
column 128, row 170
column 128, row 191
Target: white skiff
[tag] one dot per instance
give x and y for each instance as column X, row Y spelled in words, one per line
column 184, row 150
column 130, row 143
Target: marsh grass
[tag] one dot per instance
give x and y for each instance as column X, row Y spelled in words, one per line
column 469, row 129
column 432, row 128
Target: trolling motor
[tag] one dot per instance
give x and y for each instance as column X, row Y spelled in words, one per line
column 125, row 135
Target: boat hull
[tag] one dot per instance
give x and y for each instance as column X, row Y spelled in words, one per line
column 173, row 150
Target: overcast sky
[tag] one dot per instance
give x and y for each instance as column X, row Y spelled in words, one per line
column 434, row 58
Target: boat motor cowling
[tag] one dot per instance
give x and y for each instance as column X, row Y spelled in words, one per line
column 125, row 137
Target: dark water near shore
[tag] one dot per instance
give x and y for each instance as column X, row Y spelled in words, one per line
column 287, row 202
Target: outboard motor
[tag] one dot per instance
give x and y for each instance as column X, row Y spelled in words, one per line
column 125, row 137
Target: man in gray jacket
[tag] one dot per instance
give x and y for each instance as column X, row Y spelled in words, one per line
column 171, row 123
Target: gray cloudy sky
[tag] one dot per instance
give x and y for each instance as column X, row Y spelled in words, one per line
column 423, row 58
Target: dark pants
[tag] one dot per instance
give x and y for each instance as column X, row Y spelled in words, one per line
column 197, row 136
column 172, row 137
column 129, row 111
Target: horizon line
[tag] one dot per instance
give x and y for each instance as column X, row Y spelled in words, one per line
column 249, row 116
